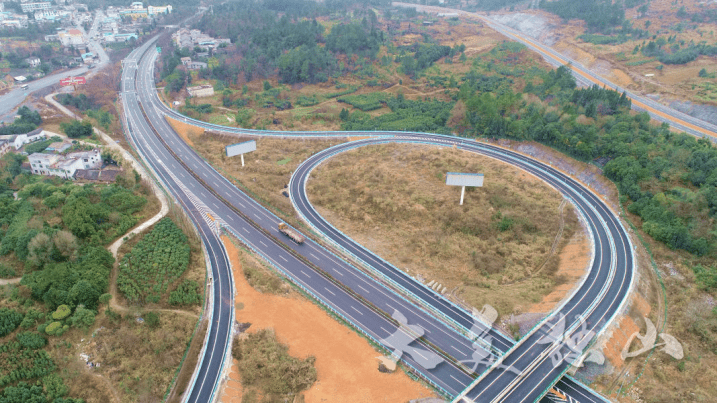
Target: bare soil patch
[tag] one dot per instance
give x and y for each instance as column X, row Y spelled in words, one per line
column 487, row 251
column 346, row 363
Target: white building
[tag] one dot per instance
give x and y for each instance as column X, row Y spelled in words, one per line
column 71, row 37
column 27, row 138
column 64, row 166
column 30, row 7
column 33, row 61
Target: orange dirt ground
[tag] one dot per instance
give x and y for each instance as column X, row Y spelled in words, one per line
column 626, row 328
column 574, row 260
column 346, row 363
column 185, row 129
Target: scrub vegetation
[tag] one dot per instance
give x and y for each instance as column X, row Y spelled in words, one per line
column 60, row 340
column 399, row 206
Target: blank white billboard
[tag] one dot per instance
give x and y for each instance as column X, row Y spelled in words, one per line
column 462, row 179
column 241, row 148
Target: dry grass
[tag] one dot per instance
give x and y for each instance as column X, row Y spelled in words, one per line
column 261, row 176
column 398, row 206
column 140, row 361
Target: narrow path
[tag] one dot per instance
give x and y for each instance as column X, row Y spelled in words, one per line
column 114, row 247
column 7, row 281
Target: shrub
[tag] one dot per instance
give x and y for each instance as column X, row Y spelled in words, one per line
column 53, row 328
column 9, row 321
column 151, row 319
column 185, row 294
column 61, row 312
column 266, row 363
column 31, row 340
column 83, row 317
column 6, row 271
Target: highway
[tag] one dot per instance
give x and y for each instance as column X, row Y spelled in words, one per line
column 597, row 301
column 586, row 77
column 337, row 285
column 458, row 346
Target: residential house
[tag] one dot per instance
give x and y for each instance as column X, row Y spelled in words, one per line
column 186, row 61
column 27, row 138
column 196, row 65
column 71, row 37
column 97, row 175
column 59, row 146
column 64, row 166
column 33, row 61
column 88, row 57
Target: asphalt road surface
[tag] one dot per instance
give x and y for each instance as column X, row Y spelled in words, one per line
column 15, row 97
column 153, row 108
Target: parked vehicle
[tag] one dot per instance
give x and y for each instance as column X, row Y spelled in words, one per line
column 291, row 233
column 24, row 86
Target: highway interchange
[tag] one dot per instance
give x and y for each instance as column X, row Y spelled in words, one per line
column 359, row 299
column 377, row 308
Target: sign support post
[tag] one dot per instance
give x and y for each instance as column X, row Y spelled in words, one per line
column 241, row 149
column 463, row 180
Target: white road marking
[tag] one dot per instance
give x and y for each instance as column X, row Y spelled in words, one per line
column 265, row 245
column 304, row 273
column 367, row 291
column 245, row 230
column 314, row 256
column 360, row 313
column 329, row 291
column 283, row 258
column 257, row 216
column 381, row 327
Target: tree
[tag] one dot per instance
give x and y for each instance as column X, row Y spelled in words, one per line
column 83, row 317
column 66, row 244
column 344, row 114
column 83, row 293
column 39, row 250
column 77, row 129
column 28, row 116
column 702, row 73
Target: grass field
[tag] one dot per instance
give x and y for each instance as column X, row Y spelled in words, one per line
column 494, row 249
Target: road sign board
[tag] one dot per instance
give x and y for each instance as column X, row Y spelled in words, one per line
column 241, row 148
column 464, row 179
column 159, row 50
column 73, row 81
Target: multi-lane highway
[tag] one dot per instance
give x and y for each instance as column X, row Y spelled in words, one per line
column 585, row 76
column 449, row 377
column 347, row 292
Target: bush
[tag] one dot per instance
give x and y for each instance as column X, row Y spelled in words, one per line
column 185, row 294
column 9, row 321
column 83, row 317
column 61, row 313
column 152, row 320
column 266, row 363
column 53, row 328
column 31, row 340
column 77, row 129
column 6, row 272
